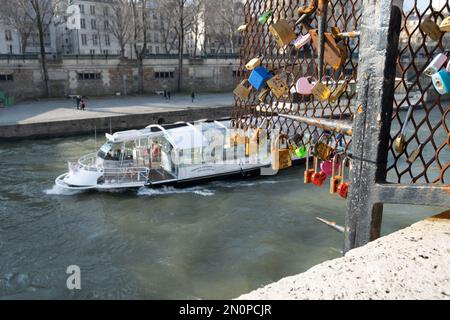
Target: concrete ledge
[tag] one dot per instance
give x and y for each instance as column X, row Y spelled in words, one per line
column 103, row 124
column 413, row 263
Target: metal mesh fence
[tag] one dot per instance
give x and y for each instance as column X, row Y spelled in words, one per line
column 424, row 156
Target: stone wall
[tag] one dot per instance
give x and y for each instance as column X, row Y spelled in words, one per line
column 116, row 76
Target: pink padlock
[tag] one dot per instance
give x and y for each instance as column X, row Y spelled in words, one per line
column 327, row 167
column 302, row 40
column 303, row 86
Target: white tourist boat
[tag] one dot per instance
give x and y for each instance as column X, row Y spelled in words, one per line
column 178, row 154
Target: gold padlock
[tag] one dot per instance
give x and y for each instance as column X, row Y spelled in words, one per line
column 430, row 28
column 252, row 64
column 415, row 154
column 262, row 97
column 281, row 156
column 242, row 28
column 321, row 91
column 400, row 141
column 334, row 54
column 242, row 91
column 338, row 92
column 445, row 25
column 282, row 32
column 278, row 85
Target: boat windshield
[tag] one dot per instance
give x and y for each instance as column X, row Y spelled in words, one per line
column 110, row 151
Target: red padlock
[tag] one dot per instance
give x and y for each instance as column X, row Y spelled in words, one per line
column 342, row 188
column 318, row 178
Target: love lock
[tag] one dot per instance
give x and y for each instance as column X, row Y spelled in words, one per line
column 304, row 86
column 321, row 91
column 435, row 64
column 343, row 187
column 445, row 24
column 279, row 85
column 242, row 91
column 282, row 32
column 339, row 91
column 334, row 55
column 329, row 166
column 430, row 28
column 400, row 141
column 302, row 40
column 254, row 63
column 259, row 77
column 265, row 17
column 441, row 82
column 318, row 178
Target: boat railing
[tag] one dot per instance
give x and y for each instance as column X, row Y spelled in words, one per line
column 87, row 162
column 125, row 174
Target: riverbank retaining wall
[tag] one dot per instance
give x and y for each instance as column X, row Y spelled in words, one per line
column 100, row 76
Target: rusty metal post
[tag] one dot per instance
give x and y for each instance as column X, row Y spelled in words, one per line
column 380, row 28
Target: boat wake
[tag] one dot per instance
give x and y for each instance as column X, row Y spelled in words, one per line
column 171, row 190
column 59, row 191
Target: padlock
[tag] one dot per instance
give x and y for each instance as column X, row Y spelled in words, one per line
column 448, row 67
column 282, row 32
column 323, row 150
column 242, row 28
column 259, row 77
column 307, row 176
column 265, row 17
column 413, row 156
column 335, row 179
column 254, row 63
column 441, row 82
column 304, row 86
column 430, row 28
column 281, row 157
column 327, row 166
column 334, row 55
column 342, row 188
column 435, row 64
column 445, row 25
column 321, row 91
column 400, row 141
column 242, row 91
column 318, row 177
column 301, row 152
column 262, row 97
column 338, row 92
column 302, row 40
column 338, row 35
column 278, row 85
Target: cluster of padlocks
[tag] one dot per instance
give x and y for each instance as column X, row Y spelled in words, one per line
column 332, row 51
column 439, row 71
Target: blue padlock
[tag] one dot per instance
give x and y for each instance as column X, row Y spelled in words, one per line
column 441, row 81
column 259, row 77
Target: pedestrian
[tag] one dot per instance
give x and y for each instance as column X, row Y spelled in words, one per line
column 165, row 94
column 82, row 104
column 193, row 96
column 78, row 100
column 168, row 95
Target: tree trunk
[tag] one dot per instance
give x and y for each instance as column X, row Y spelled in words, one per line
column 42, row 45
column 140, row 60
column 180, row 47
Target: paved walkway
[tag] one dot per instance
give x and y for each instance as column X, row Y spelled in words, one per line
column 412, row 263
column 65, row 109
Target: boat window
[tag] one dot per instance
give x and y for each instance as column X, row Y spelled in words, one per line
column 110, row 151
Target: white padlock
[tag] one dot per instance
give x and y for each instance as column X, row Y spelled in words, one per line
column 441, row 82
column 435, row 64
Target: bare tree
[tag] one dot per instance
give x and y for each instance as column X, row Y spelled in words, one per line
column 140, row 36
column 166, row 24
column 42, row 13
column 222, row 20
column 197, row 27
column 14, row 14
column 121, row 23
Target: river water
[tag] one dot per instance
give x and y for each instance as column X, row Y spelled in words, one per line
column 217, row 240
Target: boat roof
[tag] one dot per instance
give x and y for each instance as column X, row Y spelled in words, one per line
column 182, row 135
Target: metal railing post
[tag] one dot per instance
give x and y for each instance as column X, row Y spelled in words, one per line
column 380, row 29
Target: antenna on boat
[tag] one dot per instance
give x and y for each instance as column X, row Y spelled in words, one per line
column 95, row 136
